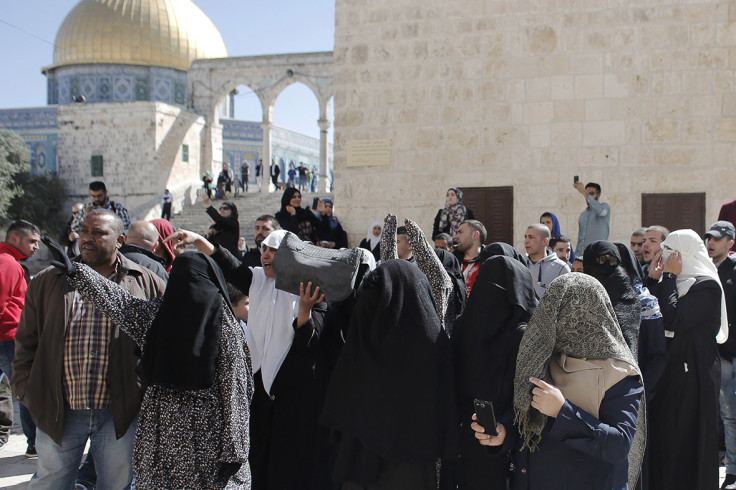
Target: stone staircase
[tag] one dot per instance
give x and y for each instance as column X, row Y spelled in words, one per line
column 250, row 205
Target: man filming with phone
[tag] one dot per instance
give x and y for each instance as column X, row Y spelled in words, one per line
column 595, row 221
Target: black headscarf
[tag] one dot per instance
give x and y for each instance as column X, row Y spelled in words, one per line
column 392, row 385
column 490, row 329
column 500, row 248
column 183, row 342
column 287, row 196
column 457, row 301
column 620, row 290
column 630, row 264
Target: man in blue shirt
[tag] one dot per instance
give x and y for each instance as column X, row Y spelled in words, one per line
column 595, row 221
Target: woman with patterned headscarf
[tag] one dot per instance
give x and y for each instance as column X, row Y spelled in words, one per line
column 684, row 413
column 578, row 395
column 448, row 219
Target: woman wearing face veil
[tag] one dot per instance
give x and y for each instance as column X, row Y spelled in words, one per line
column 193, row 423
column 484, row 345
column 684, row 414
column 578, row 395
column 390, row 395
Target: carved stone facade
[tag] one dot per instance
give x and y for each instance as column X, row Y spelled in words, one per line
column 142, row 149
column 636, row 96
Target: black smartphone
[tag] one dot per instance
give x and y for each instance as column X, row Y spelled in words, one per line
column 315, row 202
column 486, row 416
column 576, row 179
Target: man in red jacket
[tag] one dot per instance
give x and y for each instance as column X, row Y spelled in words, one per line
column 21, row 241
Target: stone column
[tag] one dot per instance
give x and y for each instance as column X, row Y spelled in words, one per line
column 266, row 156
column 324, row 126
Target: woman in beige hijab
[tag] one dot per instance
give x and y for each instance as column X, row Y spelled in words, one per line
column 578, row 395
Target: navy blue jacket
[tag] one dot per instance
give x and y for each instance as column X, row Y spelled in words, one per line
column 579, row 451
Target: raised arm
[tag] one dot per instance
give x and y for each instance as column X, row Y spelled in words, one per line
column 233, row 269
column 133, row 315
column 430, row 265
column 599, row 208
column 388, row 239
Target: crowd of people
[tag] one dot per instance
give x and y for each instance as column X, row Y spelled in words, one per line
column 181, row 362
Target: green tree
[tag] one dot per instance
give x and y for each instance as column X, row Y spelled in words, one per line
column 14, row 159
column 40, row 201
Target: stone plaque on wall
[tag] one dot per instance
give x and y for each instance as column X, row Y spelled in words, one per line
column 368, row 153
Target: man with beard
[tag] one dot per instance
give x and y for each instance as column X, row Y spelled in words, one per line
column 265, row 224
column 637, row 242
column 468, row 244
column 99, row 199
column 75, row 370
column 653, row 237
column 21, row 242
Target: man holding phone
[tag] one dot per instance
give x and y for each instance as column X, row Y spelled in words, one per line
column 594, row 223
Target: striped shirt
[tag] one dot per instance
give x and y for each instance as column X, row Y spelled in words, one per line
column 86, row 354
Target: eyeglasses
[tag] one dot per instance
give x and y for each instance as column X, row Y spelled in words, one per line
column 613, row 261
column 226, row 208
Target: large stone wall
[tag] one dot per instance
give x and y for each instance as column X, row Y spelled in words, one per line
column 141, row 145
column 638, row 96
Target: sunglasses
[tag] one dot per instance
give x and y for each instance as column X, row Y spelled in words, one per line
column 610, row 259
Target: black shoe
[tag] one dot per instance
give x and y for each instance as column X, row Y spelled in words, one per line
column 3, row 442
column 730, row 482
column 31, row 452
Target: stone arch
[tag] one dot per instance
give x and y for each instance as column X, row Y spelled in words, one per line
column 211, row 80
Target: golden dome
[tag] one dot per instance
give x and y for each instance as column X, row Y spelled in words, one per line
column 163, row 33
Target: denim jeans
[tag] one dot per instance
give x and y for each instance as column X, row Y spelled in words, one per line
column 58, row 465
column 7, row 354
column 728, row 412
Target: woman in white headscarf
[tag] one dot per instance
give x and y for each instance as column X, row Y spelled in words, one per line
column 372, row 241
column 684, row 412
column 283, row 335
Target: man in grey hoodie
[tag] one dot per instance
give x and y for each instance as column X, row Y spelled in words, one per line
column 543, row 264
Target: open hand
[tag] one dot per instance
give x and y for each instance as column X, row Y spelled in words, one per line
column 673, row 264
column 656, row 266
column 61, row 261
column 307, row 299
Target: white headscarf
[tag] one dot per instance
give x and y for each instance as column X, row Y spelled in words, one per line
column 372, row 239
column 695, row 262
column 270, row 319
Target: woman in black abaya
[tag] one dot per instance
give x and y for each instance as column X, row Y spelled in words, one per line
column 294, row 218
column 389, row 397
column 484, row 345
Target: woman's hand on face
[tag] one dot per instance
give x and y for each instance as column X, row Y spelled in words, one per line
column 487, row 439
column 546, row 398
column 656, row 266
column 674, row 263
column 291, row 210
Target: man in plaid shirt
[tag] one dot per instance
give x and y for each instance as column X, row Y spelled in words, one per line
column 100, row 199
column 75, row 370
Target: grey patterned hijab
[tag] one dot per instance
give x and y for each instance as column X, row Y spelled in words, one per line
column 574, row 317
